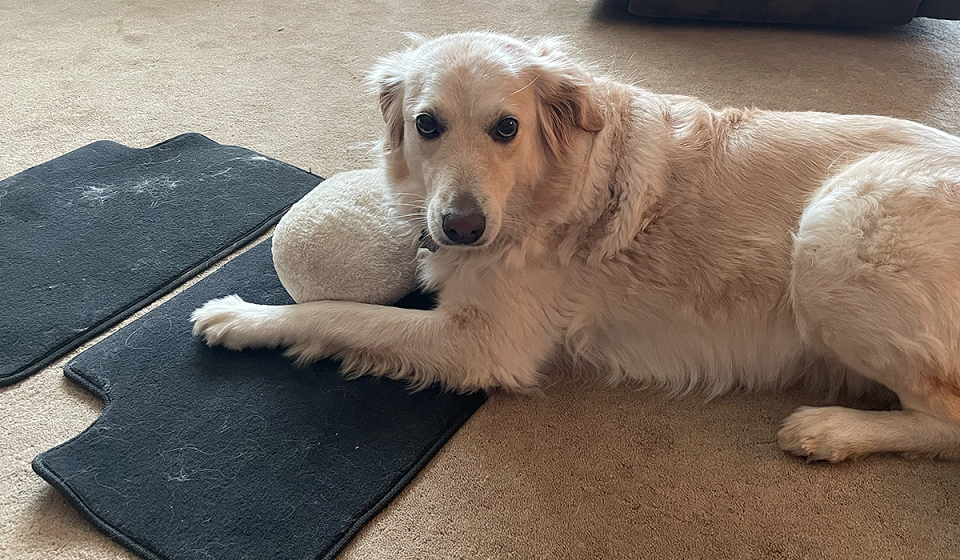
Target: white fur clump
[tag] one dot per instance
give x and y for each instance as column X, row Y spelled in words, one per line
column 342, row 241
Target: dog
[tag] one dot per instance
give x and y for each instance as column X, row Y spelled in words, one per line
column 576, row 221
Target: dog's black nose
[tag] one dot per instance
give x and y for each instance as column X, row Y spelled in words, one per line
column 463, row 227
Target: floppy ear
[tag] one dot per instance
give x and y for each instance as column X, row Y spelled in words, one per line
column 387, row 80
column 565, row 94
column 568, row 103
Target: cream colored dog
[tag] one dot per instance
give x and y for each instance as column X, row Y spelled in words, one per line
column 589, row 223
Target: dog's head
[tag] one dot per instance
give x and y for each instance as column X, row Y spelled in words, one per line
column 476, row 123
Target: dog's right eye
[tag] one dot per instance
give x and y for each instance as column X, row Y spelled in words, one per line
column 427, row 126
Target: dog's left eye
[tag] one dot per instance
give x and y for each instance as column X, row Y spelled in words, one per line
column 506, row 129
column 427, row 126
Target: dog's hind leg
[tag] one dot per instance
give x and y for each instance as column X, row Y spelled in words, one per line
column 835, row 433
column 876, row 287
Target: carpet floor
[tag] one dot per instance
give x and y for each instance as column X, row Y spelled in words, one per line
column 581, row 472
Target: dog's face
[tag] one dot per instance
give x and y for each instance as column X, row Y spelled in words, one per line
column 475, row 124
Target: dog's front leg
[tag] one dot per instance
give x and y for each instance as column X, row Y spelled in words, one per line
column 457, row 346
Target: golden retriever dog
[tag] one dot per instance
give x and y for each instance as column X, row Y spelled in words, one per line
column 581, row 222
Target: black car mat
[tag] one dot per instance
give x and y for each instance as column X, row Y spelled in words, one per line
column 89, row 238
column 209, row 453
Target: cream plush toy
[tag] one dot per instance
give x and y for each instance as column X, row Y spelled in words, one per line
column 341, row 241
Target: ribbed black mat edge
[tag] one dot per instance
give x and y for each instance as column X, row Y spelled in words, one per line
column 388, row 497
column 116, row 535
column 52, row 211
column 112, row 321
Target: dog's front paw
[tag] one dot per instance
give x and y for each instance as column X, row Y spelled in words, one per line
column 820, row 434
column 229, row 321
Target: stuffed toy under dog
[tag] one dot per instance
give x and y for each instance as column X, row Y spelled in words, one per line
column 341, row 241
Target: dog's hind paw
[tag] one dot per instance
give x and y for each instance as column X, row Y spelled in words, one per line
column 231, row 322
column 821, row 434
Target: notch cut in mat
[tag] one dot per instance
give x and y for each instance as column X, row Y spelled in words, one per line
column 89, row 238
column 209, row 453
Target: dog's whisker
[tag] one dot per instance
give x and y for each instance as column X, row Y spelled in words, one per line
column 409, row 209
column 420, row 207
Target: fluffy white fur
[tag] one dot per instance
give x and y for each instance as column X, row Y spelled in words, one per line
column 652, row 238
column 343, row 241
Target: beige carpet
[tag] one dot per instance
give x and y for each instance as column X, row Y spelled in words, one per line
column 581, row 472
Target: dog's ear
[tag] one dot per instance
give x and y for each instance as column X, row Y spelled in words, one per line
column 568, row 99
column 565, row 94
column 387, row 80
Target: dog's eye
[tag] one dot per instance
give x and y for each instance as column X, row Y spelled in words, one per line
column 427, row 126
column 506, row 129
